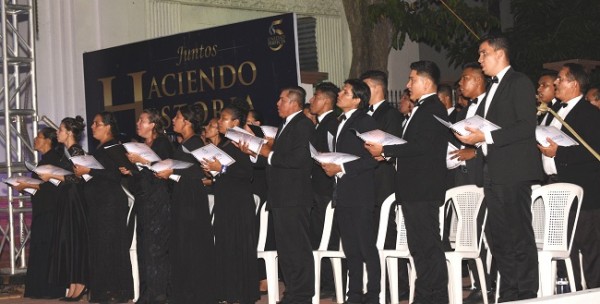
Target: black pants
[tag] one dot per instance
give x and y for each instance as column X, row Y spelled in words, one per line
column 294, row 253
column 358, row 240
column 512, row 238
column 423, row 235
column 587, row 240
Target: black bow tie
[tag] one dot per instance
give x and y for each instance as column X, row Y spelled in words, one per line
column 563, row 104
column 371, row 108
column 493, row 79
column 473, row 101
column 342, row 117
column 419, row 103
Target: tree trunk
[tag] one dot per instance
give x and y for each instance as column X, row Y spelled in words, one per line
column 371, row 43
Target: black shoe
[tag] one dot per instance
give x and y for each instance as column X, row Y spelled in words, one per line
column 476, row 297
column 75, row 299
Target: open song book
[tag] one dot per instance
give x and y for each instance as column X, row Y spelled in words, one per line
column 48, row 169
column 239, row 135
column 210, row 152
column 380, row 137
column 16, row 180
column 475, row 122
column 337, row 158
column 558, row 136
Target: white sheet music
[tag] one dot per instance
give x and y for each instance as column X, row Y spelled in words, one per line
column 211, row 152
column 87, row 161
column 558, row 136
column 48, row 169
column 450, row 162
column 337, row 158
column 16, row 180
column 269, row 131
column 380, row 137
column 142, row 150
column 168, row 163
column 475, row 122
column 239, row 135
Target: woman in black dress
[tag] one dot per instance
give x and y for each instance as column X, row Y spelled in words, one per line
column 110, row 266
column 44, row 204
column 69, row 262
column 152, row 205
column 235, row 239
column 192, row 242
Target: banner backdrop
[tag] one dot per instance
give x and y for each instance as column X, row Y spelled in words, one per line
column 209, row 67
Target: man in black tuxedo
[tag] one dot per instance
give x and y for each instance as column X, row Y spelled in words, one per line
column 445, row 95
column 354, row 193
column 321, row 105
column 290, row 195
column 472, row 85
column 511, row 165
column 420, row 181
column 545, row 94
column 388, row 120
column 576, row 165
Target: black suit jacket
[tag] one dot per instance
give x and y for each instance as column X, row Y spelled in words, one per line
column 452, row 116
column 288, row 175
column 421, row 169
column 356, row 187
column 575, row 164
column 389, row 120
column 474, row 166
column 556, row 106
column 321, row 183
column 514, row 155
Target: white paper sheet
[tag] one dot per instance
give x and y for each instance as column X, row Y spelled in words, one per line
column 558, row 136
column 380, row 137
column 142, row 150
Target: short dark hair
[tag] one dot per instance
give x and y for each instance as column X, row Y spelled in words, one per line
column 359, row 90
column 497, row 42
column 377, row 76
column 445, row 89
column 577, row 73
column 329, row 89
column 428, row 69
column 299, row 94
column 256, row 115
column 551, row 73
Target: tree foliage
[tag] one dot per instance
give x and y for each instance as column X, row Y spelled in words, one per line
column 543, row 31
column 554, row 30
column 430, row 22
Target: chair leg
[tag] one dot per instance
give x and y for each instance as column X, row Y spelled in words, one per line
column 546, row 275
column 482, row 281
column 412, row 278
column 336, row 265
column 455, row 279
column 272, row 280
column 317, row 297
column 583, row 283
column 570, row 274
column 392, row 268
column 497, row 288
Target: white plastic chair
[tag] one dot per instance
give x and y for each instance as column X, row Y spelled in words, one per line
column 390, row 257
column 555, row 201
column 335, row 256
column 270, row 257
column 467, row 202
column 133, row 249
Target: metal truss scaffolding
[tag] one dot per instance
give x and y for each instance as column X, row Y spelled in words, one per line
column 18, row 117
